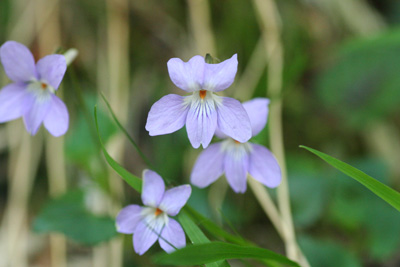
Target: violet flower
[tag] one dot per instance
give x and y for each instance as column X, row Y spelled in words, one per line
column 32, row 93
column 202, row 111
column 149, row 223
column 236, row 159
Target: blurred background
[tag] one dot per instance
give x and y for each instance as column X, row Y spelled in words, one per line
column 337, row 65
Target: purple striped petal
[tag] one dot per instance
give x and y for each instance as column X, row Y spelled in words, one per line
column 128, row 219
column 257, row 109
column 218, row 77
column 34, row 117
column 13, row 102
column 174, row 199
column 52, row 69
column 172, row 234
column 187, row 75
column 264, row 167
column 208, row 167
column 152, row 189
column 233, row 120
column 146, row 234
column 57, row 118
column 200, row 125
column 236, row 167
column 18, row 62
column 167, row 115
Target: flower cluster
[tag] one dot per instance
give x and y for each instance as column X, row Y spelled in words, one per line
column 204, row 112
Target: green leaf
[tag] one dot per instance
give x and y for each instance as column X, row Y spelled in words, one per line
column 214, row 251
column 389, row 195
column 214, row 229
column 126, row 133
column 362, row 84
column 67, row 215
column 327, row 253
column 134, row 181
column 197, row 236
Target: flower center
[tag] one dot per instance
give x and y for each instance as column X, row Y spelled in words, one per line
column 236, row 142
column 202, row 94
column 158, row 212
column 41, row 90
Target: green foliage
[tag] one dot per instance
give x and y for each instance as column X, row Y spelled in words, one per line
column 67, row 215
column 358, row 211
column 389, row 195
column 134, row 181
column 214, row 251
column 363, row 83
column 196, row 236
column 308, row 192
column 325, row 253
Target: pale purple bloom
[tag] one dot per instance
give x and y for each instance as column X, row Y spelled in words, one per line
column 202, row 111
column 32, row 93
column 237, row 159
column 151, row 222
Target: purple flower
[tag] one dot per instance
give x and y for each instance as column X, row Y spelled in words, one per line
column 236, row 159
column 31, row 95
column 149, row 223
column 202, row 111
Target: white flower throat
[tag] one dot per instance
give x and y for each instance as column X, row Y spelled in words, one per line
column 236, row 149
column 203, row 101
column 41, row 89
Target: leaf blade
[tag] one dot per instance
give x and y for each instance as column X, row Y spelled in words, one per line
column 134, row 181
column 214, row 251
column 383, row 191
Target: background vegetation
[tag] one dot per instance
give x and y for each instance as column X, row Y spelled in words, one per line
column 340, row 95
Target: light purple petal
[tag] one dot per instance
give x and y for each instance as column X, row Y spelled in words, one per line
column 18, row 62
column 34, row 117
column 145, row 236
column 57, row 118
column 174, row 199
column 167, row 115
column 152, row 189
column 12, row 102
column 208, row 167
column 257, row 109
column 220, row 134
column 236, row 167
column 264, row 167
column 172, row 234
column 233, row 120
column 200, row 125
column 128, row 218
column 187, row 75
column 218, row 77
column 52, row 69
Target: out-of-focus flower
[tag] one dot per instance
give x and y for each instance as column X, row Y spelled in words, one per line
column 149, row 223
column 236, row 159
column 32, row 93
column 202, row 111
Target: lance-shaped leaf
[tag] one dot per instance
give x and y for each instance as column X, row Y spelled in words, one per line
column 383, row 191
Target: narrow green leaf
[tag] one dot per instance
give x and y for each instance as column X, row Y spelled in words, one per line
column 197, row 236
column 381, row 190
column 214, row 251
column 134, row 181
column 126, row 133
column 214, row 229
